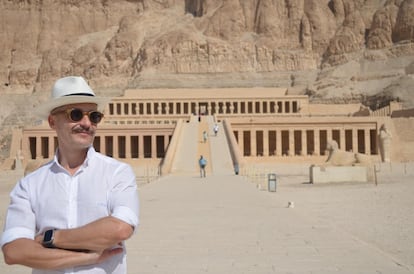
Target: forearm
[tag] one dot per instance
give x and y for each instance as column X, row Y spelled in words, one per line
column 32, row 254
column 98, row 235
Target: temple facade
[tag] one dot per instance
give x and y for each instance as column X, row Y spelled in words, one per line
column 264, row 124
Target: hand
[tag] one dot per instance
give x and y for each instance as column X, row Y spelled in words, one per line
column 100, row 257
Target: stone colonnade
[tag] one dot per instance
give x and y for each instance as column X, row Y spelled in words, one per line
column 270, row 140
column 306, row 140
column 117, row 143
column 136, row 146
column 204, row 106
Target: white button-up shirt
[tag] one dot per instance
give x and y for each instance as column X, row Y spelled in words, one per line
column 50, row 197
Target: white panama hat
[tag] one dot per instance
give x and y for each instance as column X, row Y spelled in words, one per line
column 70, row 90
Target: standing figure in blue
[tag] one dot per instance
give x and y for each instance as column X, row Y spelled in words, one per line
column 73, row 214
column 202, row 162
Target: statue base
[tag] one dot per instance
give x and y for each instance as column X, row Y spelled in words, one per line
column 335, row 174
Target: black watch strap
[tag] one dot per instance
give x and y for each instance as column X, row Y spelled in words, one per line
column 48, row 238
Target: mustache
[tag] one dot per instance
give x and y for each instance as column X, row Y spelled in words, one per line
column 82, row 129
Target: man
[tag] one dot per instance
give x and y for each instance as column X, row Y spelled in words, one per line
column 204, row 136
column 202, row 163
column 73, row 214
column 216, row 129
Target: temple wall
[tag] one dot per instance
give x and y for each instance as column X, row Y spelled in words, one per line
column 403, row 139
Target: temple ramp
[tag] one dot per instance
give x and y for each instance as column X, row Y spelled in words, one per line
column 221, row 162
column 191, row 146
column 186, row 157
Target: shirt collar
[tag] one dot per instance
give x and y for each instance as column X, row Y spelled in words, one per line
column 91, row 152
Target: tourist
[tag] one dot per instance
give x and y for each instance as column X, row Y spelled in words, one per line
column 202, row 163
column 72, row 214
column 205, row 136
column 216, row 129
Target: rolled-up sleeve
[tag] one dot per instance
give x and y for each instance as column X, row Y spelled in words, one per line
column 124, row 199
column 20, row 219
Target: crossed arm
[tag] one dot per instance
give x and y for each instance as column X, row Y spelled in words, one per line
column 98, row 238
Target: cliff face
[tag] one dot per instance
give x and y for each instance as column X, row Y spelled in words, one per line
column 345, row 49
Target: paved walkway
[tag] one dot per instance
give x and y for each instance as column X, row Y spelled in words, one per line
column 224, row 225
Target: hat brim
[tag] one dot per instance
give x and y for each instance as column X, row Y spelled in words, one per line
column 44, row 109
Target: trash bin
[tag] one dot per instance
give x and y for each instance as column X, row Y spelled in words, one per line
column 271, row 182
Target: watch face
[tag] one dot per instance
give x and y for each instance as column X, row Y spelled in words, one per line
column 48, row 238
column 48, row 235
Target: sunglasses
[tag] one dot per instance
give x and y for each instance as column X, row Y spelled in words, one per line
column 75, row 115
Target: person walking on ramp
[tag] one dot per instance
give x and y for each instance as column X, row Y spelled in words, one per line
column 205, row 136
column 202, row 162
column 216, row 129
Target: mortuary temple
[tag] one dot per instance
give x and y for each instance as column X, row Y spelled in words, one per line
column 259, row 124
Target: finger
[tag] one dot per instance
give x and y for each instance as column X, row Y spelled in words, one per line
column 115, row 251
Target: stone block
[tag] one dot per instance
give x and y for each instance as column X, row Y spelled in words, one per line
column 334, row 174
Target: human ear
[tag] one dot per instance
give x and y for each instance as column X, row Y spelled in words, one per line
column 51, row 121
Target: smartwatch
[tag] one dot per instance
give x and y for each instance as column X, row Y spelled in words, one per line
column 48, row 238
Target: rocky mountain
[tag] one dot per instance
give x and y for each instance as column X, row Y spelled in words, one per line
column 337, row 50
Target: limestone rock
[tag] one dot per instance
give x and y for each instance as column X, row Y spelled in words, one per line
column 332, row 48
column 404, row 26
column 380, row 35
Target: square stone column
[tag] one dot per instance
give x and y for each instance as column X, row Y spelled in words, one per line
column 174, row 108
column 342, row 139
column 153, row 146
column 137, row 108
column 291, row 142
column 304, row 143
column 278, row 142
column 367, row 141
column 141, row 146
column 265, row 142
column 159, row 108
column 38, row 147
column 116, row 146
column 102, row 146
column 354, row 140
column 317, row 143
column 253, row 140
column 167, row 108
column 145, row 110
column 128, row 146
